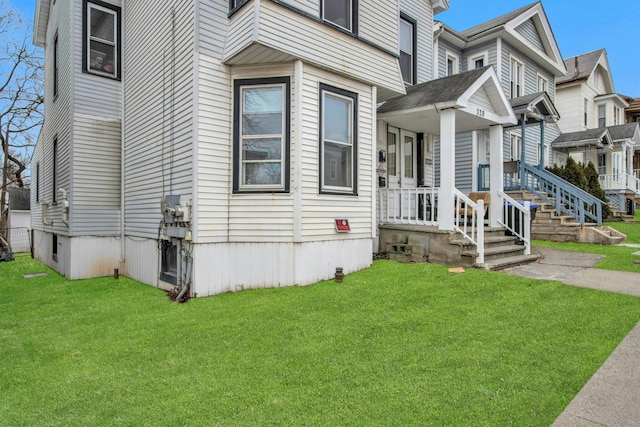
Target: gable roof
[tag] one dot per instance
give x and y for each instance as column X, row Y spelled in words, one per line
column 19, row 199
column 536, row 104
column 580, row 67
column 590, row 137
column 629, row 131
column 544, row 50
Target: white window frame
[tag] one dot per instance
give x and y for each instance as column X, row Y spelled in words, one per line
column 516, row 77
column 455, row 63
column 601, row 108
column 543, row 83
column 351, row 99
column 351, row 20
column 616, row 115
column 87, row 39
column 515, row 149
column 476, row 56
column 239, row 178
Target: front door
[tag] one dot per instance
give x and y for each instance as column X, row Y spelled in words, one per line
column 402, row 170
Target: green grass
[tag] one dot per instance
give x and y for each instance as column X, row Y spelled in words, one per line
column 395, row 344
column 620, row 258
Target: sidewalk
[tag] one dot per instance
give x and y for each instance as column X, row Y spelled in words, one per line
column 612, row 396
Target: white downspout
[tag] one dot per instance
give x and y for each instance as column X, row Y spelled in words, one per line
column 122, row 148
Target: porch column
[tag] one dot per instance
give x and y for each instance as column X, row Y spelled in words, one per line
column 541, row 165
column 496, row 176
column 523, row 150
column 447, row 169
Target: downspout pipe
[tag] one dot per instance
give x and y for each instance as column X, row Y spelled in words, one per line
column 541, row 165
column 122, row 147
column 523, row 127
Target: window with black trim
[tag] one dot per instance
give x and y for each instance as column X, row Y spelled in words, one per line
column 54, row 247
column 343, row 13
column 54, row 169
column 408, row 48
column 101, row 41
column 37, row 182
column 261, row 135
column 338, row 136
column 235, row 4
column 55, row 65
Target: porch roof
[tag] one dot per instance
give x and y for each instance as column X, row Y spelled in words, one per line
column 476, row 96
column 591, row 137
column 628, row 132
column 536, row 106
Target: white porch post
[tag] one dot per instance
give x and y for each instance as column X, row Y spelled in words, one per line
column 496, row 177
column 447, row 169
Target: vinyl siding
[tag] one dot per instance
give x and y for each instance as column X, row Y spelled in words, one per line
column 159, row 110
column 56, row 124
column 320, row 210
column 443, row 47
column 464, row 161
column 531, row 71
column 529, row 31
column 422, row 12
column 280, row 30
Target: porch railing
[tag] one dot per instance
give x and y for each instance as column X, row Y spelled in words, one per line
column 470, row 221
column 564, row 196
column 417, row 206
column 620, row 181
column 516, row 218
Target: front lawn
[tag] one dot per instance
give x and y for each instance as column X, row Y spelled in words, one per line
column 395, row 344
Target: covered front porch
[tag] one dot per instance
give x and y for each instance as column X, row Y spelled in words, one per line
column 409, row 128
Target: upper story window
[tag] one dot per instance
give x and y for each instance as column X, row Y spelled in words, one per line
column 54, row 170
column 338, row 112
column 517, row 78
column 235, row 4
column 101, row 40
column 408, row 49
column 586, row 111
column 602, row 115
column 453, row 62
column 478, row 60
column 261, row 135
column 516, row 146
column 342, row 13
column 616, row 116
column 543, row 84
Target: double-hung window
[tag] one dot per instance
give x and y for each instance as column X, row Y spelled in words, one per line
column 517, row 78
column 516, row 147
column 408, row 48
column 261, row 135
column 478, row 60
column 342, row 13
column 338, row 148
column 602, row 115
column 452, row 63
column 101, row 41
column 543, row 84
column 235, row 4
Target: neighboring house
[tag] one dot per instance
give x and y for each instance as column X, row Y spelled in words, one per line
column 19, row 219
column 632, row 114
column 593, row 123
column 520, row 46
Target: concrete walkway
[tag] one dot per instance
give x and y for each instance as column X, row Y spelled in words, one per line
column 612, row 396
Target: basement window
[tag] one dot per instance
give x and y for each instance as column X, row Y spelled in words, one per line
column 169, row 262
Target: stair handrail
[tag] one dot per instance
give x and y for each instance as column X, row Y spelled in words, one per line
column 471, row 227
column 511, row 208
column 564, row 196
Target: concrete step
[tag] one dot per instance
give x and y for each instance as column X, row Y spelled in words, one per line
column 502, row 263
column 496, row 252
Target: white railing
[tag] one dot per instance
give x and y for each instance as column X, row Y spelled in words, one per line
column 636, row 173
column 620, row 182
column 416, row 206
column 470, row 221
column 516, row 219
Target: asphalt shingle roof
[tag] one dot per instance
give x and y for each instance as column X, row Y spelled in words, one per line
column 433, row 92
column 585, row 137
column 621, row 132
column 496, row 22
column 19, row 199
column 586, row 64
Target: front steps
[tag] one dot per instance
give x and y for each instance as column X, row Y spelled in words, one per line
column 563, row 228
column 407, row 243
